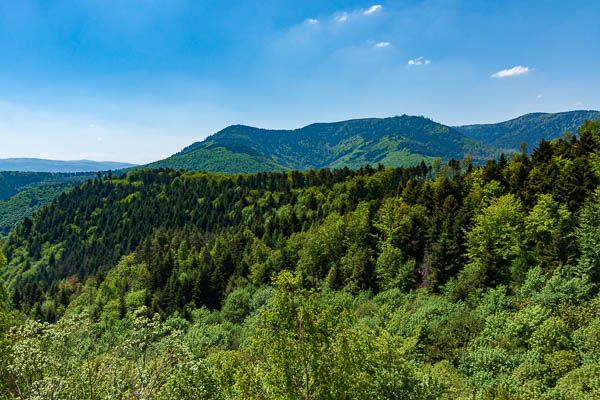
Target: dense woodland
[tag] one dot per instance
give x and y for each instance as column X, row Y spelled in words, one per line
column 429, row 282
column 23, row 193
column 13, row 182
column 25, row 203
column 400, row 141
column 531, row 128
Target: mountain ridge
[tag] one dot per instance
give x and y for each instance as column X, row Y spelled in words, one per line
column 394, row 141
column 530, row 128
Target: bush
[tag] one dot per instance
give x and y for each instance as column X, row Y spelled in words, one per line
column 551, row 336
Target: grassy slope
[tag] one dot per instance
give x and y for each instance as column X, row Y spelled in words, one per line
column 398, row 141
column 218, row 159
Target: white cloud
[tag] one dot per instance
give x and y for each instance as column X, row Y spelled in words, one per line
column 382, row 44
column 372, row 9
column 342, row 18
column 312, row 21
column 514, row 71
column 419, row 61
column 578, row 103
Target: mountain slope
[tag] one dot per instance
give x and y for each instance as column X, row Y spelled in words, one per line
column 22, row 193
column 25, row 203
column 397, row 141
column 529, row 128
column 41, row 165
column 12, row 182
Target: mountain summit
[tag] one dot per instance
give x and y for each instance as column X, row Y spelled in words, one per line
column 397, row 141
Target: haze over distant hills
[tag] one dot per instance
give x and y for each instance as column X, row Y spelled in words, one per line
column 530, row 128
column 42, row 165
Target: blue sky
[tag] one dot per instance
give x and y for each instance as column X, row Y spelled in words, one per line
column 137, row 80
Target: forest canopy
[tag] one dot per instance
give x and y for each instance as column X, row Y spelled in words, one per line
column 445, row 281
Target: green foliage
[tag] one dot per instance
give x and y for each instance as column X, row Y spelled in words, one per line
column 530, row 128
column 550, row 226
column 494, row 243
column 25, row 204
column 588, row 235
column 582, row 384
column 411, row 283
column 12, row 182
column 551, row 336
column 392, row 271
column 237, row 305
column 6, row 320
column 23, row 193
column 398, row 141
column 305, row 350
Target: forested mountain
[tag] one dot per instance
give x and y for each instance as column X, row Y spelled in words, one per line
column 397, row 141
column 24, row 204
column 41, row 165
column 22, row 193
column 452, row 281
column 12, row 182
column 530, row 128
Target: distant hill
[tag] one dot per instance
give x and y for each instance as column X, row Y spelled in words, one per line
column 23, row 193
column 530, row 128
column 12, row 182
column 41, row 165
column 25, row 203
column 398, row 141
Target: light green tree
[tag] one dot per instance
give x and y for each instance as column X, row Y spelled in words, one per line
column 393, row 271
column 305, row 350
column 549, row 230
column 300, row 351
column 588, row 238
column 494, row 245
column 5, row 323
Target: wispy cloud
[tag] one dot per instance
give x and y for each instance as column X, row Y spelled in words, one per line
column 342, row 18
column 372, row 9
column 382, row 44
column 514, row 71
column 419, row 61
column 312, row 21
column 539, row 96
column 578, row 103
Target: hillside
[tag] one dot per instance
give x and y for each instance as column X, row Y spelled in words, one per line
column 530, row 128
column 12, row 182
column 397, row 141
column 22, row 193
column 442, row 282
column 41, row 165
column 25, row 203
